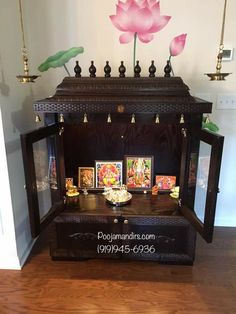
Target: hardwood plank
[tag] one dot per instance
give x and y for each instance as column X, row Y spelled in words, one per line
column 123, row 287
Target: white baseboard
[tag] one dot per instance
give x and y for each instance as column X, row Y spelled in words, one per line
column 27, row 252
column 9, row 262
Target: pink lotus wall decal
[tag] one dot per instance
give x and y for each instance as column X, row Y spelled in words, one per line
column 138, row 18
column 176, row 47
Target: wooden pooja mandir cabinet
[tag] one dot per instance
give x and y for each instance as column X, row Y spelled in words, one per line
column 166, row 125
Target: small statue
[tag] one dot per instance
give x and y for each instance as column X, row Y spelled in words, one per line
column 155, row 190
column 85, row 191
column 72, row 191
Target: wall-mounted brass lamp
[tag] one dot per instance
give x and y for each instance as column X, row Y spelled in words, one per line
column 25, row 78
column 218, row 76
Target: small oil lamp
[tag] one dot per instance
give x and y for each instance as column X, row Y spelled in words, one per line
column 218, row 76
column 25, row 78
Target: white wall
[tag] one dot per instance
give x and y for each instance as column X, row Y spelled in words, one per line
column 16, row 117
column 52, row 25
column 8, row 252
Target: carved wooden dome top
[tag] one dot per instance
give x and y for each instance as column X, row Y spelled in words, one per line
column 136, row 95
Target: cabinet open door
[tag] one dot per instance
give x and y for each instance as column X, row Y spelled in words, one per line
column 200, row 169
column 43, row 159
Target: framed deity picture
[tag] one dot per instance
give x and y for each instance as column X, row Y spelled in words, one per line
column 165, row 183
column 86, row 177
column 108, row 173
column 139, row 172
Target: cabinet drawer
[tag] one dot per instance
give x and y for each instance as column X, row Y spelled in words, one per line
column 80, row 236
column 163, row 239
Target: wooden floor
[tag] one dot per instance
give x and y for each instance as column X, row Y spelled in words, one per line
column 119, row 287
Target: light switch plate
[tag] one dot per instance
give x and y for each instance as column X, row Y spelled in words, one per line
column 226, row 101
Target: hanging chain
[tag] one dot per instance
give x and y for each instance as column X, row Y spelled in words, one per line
column 223, row 25
column 22, row 25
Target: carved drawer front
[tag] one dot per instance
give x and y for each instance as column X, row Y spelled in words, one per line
column 85, row 236
column 164, row 239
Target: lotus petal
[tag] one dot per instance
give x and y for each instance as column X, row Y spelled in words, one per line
column 146, row 38
column 126, row 37
column 177, row 45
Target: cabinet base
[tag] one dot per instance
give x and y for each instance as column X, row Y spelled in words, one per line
column 77, row 238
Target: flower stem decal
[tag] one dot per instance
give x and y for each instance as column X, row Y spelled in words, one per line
column 134, row 52
column 138, row 18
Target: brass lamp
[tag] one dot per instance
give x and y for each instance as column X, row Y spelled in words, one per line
column 26, row 78
column 218, row 76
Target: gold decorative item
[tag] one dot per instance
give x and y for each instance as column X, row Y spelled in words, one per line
column 72, row 191
column 61, row 118
column 61, row 131
column 181, row 121
column 133, row 118
column 85, row 120
column 218, row 76
column 37, row 118
column 157, row 119
column 26, row 78
column 109, row 118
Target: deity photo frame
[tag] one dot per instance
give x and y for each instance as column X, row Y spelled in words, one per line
column 165, row 182
column 86, row 177
column 139, row 172
column 108, row 173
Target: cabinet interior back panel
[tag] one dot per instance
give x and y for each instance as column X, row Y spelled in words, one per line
column 87, row 142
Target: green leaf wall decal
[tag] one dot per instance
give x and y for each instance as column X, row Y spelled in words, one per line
column 60, row 58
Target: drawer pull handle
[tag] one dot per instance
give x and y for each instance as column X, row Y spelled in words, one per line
column 126, row 221
column 115, row 220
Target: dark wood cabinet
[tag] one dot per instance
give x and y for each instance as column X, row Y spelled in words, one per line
column 143, row 230
column 167, row 126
